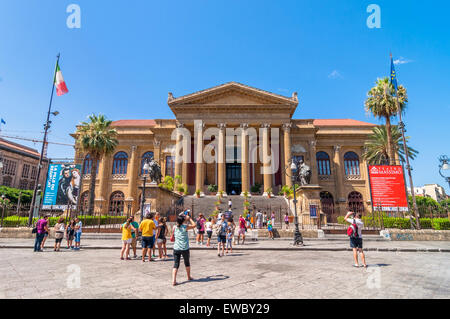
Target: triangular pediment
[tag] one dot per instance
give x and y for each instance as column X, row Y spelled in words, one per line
column 232, row 93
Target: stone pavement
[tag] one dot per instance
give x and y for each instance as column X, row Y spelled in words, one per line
column 336, row 243
column 99, row 273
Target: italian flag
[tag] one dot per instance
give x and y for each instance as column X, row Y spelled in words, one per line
column 60, row 85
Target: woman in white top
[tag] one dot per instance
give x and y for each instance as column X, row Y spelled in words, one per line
column 209, row 231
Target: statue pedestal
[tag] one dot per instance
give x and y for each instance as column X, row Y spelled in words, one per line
column 309, row 195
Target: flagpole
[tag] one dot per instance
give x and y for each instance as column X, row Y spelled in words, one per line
column 46, row 127
column 405, row 150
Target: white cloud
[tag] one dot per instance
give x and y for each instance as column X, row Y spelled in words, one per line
column 402, row 60
column 335, row 75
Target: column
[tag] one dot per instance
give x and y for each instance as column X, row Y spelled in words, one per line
column 245, row 176
column 178, row 159
column 287, row 153
column 199, row 176
column 312, row 154
column 105, row 173
column 221, row 162
column 266, row 160
column 133, row 173
column 338, row 179
column 157, row 151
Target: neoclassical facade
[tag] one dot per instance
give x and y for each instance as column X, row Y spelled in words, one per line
column 235, row 136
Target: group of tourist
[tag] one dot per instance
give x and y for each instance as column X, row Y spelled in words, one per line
column 72, row 230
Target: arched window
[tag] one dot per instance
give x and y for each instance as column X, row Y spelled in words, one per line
column 87, row 165
column 355, row 202
column 351, row 163
column 323, row 163
column 327, row 203
column 120, row 163
column 170, row 166
column 146, row 157
column 84, row 202
column 116, row 203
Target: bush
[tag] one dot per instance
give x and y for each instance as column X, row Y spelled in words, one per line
column 402, row 223
column 13, row 194
column 212, row 188
column 256, row 188
column 15, row 221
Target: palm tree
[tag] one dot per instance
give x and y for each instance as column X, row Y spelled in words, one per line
column 376, row 149
column 97, row 139
column 382, row 103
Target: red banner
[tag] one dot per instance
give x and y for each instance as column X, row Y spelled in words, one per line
column 387, row 186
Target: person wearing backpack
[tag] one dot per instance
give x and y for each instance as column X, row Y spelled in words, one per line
column 355, row 234
column 222, row 226
column 200, row 225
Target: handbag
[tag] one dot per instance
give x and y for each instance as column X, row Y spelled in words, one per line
column 172, row 238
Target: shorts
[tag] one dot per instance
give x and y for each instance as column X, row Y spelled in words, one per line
column 77, row 237
column 222, row 239
column 161, row 240
column 286, row 222
column 209, row 233
column 127, row 241
column 58, row 240
column 177, row 257
column 201, row 232
column 70, row 235
column 148, row 242
column 241, row 231
column 356, row 242
column 46, row 234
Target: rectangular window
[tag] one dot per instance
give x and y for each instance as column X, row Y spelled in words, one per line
column 33, row 172
column 25, row 170
column 9, row 167
column 170, row 166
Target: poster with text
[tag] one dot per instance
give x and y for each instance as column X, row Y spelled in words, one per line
column 387, row 186
column 62, row 187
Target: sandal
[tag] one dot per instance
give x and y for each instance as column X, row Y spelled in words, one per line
column 356, row 266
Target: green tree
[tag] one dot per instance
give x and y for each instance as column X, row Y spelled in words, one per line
column 382, row 103
column 98, row 139
column 376, row 147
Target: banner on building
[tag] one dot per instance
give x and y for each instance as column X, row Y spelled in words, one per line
column 62, row 187
column 387, row 186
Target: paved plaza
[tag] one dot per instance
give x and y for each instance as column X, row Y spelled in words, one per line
column 99, row 273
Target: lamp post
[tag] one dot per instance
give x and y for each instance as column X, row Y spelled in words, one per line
column 44, row 142
column 444, row 167
column 145, row 169
column 298, row 240
column 1, row 168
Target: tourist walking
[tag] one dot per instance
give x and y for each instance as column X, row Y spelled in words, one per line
column 265, row 219
column 70, row 233
column 161, row 238
column 259, row 218
column 126, row 228
column 221, row 226
column 272, row 216
column 147, row 228
column 59, row 233
column 269, row 228
column 242, row 230
column 134, row 235
column 230, row 203
column 181, row 245
column 286, row 220
column 41, row 228
column 229, row 240
column 156, row 221
column 355, row 234
column 200, row 229
column 44, row 239
column 209, row 231
column 78, row 232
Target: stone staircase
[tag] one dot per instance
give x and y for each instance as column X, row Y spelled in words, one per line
column 206, row 205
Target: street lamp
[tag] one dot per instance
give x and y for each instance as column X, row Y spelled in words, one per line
column 44, row 142
column 298, row 240
column 145, row 169
column 444, row 167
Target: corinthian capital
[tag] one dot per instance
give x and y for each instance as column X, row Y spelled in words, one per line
column 156, row 143
column 222, row 126
column 180, row 125
column 337, row 148
column 265, row 125
column 287, row 126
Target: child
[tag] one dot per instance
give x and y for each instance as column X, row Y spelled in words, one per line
column 229, row 240
column 286, row 221
column 126, row 238
column 269, row 228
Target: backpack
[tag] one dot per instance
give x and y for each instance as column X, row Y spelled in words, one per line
column 199, row 225
column 352, row 230
column 223, row 229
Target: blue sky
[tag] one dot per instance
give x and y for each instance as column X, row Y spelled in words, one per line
column 128, row 55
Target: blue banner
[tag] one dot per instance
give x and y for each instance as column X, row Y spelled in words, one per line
column 62, row 187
